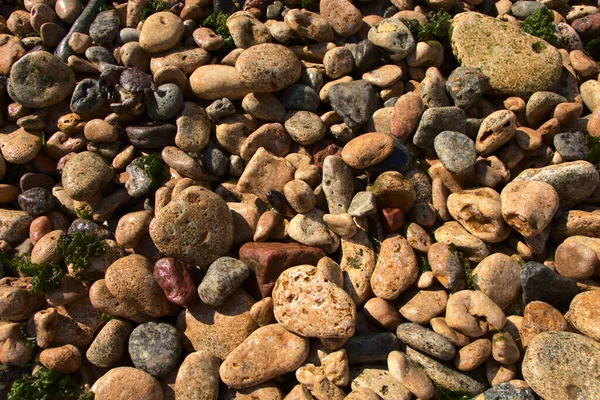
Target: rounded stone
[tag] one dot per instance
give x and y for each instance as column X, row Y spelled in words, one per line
column 155, row 348
column 105, row 27
column 196, row 227
column 127, row 383
column 224, row 276
column 160, row 32
column 305, row 127
column 36, row 201
column 40, row 79
column 85, row 174
column 268, row 67
column 584, row 314
column 64, row 359
column 130, row 280
column 165, row 102
column 393, row 36
column 110, row 343
column 367, row 150
column 562, row 365
column 307, row 303
column 456, row 151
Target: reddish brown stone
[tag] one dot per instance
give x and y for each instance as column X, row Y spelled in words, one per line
column 269, row 260
column 392, row 219
column 323, row 149
column 540, row 317
column 175, row 281
column 587, row 26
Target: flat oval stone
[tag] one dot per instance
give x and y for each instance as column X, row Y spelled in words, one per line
column 105, row 27
column 307, row 303
column 367, row 150
column 515, row 62
column 268, row 67
column 195, row 227
column 215, row 81
column 563, row 365
column 40, row 79
column 270, row 351
column 198, row 377
column 129, row 383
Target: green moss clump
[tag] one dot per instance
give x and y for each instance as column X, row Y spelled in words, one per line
column 151, row 7
column 435, row 29
column 44, row 276
column 45, row 384
column 541, row 24
column 78, row 249
column 218, row 23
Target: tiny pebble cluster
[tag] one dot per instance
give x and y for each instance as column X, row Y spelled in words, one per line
column 296, row 200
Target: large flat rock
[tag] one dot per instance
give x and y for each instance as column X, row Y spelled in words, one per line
column 515, row 62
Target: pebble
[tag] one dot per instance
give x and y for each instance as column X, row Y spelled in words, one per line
column 583, row 314
column 498, row 277
column 571, row 146
column 558, row 364
column 265, row 172
column 32, row 84
column 466, row 86
column 269, row 260
column 396, row 269
column 445, row 377
column 343, row 17
column 175, row 280
column 425, row 340
column 264, row 106
column 129, row 382
column 338, row 184
column 391, row 189
column 18, row 300
column 461, row 318
column 473, row 355
column 110, row 344
column 195, row 213
column 165, row 103
column 528, row 64
column 446, row 266
column 87, row 97
column 130, row 280
column 310, row 312
column 255, row 67
column 393, row 36
column 434, row 121
column 495, row 130
column 509, row 390
column 268, row 352
column 410, row 376
column 300, row 196
column 161, row 31
column 575, row 260
column 362, row 204
column 423, row 305
column 573, row 181
column 21, row 146
column 224, row 276
column 380, row 381
column 85, row 174
column 198, row 377
column 64, row 359
column 456, row 151
column 479, row 211
column 105, row 27
column 367, row 150
column 354, row 101
column 155, row 348
column 540, row 317
column 305, row 127
column 357, row 263
column 36, row 201
column 541, row 283
column 217, row 330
